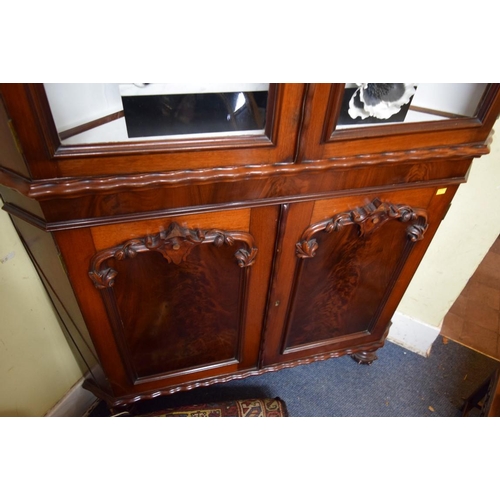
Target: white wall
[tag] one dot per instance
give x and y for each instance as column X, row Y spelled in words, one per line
column 463, row 239
column 37, row 366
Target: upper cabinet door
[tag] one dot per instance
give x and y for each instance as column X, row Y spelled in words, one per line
column 373, row 118
column 113, row 128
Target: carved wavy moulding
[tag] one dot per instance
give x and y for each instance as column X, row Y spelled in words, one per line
column 75, row 187
column 175, row 244
column 368, row 218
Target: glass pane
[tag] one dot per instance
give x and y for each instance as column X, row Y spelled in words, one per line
column 87, row 113
column 372, row 104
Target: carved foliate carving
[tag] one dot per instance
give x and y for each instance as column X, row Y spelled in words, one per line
column 368, row 219
column 104, row 278
column 174, row 244
column 306, row 248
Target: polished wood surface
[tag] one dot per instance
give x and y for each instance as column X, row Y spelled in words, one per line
column 189, row 311
column 185, row 263
column 192, row 301
column 357, row 255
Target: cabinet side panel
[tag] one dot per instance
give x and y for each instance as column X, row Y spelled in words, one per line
column 23, row 205
column 10, row 155
column 45, row 256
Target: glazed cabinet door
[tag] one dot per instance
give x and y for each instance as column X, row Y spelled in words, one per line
column 343, row 267
column 89, row 129
column 379, row 121
column 183, row 298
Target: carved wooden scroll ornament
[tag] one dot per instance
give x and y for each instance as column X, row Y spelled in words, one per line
column 368, row 219
column 175, row 244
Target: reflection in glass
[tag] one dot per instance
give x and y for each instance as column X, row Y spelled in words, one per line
column 380, row 100
column 156, row 115
column 369, row 104
column 97, row 113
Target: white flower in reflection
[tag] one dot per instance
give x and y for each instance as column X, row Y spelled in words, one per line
column 380, row 100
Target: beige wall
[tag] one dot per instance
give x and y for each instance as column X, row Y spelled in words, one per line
column 463, row 239
column 37, row 366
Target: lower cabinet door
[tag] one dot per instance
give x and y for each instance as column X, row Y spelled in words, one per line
column 183, row 298
column 343, row 269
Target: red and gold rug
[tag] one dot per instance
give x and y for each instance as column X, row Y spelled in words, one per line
column 241, row 408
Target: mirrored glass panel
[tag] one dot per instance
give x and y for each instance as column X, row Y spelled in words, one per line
column 88, row 113
column 373, row 104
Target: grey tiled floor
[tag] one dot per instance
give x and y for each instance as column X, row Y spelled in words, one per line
column 474, row 319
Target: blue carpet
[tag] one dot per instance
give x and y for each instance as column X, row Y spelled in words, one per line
column 399, row 384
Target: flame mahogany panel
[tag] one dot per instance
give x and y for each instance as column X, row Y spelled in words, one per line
column 188, row 313
column 346, row 265
column 176, row 298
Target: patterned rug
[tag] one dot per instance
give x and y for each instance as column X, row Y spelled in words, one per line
column 266, row 407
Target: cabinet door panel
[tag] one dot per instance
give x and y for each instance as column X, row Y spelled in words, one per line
column 340, row 277
column 175, row 298
column 355, row 259
column 166, row 300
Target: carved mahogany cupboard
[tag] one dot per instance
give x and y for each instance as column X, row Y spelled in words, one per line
column 190, row 235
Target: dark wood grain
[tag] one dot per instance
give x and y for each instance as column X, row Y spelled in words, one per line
column 274, row 189
column 193, row 297
column 356, row 256
column 76, row 187
column 189, row 312
column 344, row 293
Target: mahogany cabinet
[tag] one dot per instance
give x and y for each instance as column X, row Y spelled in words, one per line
column 202, row 235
